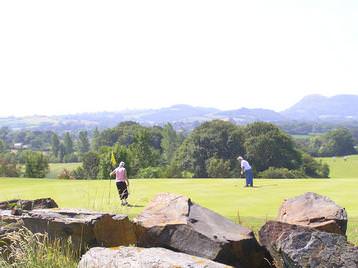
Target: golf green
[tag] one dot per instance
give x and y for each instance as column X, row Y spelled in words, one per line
column 249, row 206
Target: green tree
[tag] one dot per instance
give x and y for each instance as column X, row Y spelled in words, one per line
column 219, row 139
column 90, row 163
column 36, row 165
column 95, row 139
column 68, row 143
column 142, row 154
column 2, row 146
column 61, row 152
column 314, row 168
column 337, row 142
column 218, row 168
column 170, row 142
column 268, row 146
column 55, row 144
column 8, row 168
column 83, row 142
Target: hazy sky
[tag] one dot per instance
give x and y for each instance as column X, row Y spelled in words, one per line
column 59, row 57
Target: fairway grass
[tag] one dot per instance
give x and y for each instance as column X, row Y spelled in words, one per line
column 249, row 206
column 55, row 169
column 339, row 168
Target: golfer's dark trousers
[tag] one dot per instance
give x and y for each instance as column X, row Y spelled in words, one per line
column 249, row 177
column 122, row 190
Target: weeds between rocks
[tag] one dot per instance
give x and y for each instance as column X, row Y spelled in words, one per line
column 27, row 250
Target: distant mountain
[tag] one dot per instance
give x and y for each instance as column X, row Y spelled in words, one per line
column 180, row 115
column 317, row 107
column 185, row 117
column 177, row 113
column 249, row 115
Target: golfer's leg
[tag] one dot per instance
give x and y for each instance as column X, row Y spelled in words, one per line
column 247, row 178
column 252, row 179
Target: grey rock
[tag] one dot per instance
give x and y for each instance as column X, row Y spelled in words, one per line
column 294, row 246
column 174, row 222
column 132, row 257
column 84, row 227
column 28, row 204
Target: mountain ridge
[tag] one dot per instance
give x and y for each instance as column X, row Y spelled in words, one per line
column 309, row 108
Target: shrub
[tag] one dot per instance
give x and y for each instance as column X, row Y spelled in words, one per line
column 78, row 173
column 151, row 172
column 281, row 173
column 8, row 168
column 218, row 168
column 313, row 168
column 65, row 175
column 36, row 165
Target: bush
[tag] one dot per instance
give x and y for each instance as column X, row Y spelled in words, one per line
column 151, row 173
column 91, row 164
column 281, row 173
column 78, row 173
column 8, row 169
column 65, row 175
column 313, row 168
column 218, row 168
column 36, row 165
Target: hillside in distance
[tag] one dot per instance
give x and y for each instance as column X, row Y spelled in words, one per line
column 312, row 108
column 317, row 107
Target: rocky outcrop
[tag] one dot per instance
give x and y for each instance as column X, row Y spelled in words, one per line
column 19, row 204
column 131, row 257
column 85, row 228
column 294, row 246
column 315, row 211
column 174, row 222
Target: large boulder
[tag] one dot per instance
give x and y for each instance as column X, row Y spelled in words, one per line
column 131, row 257
column 41, row 203
column 315, row 211
column 84, row 227
column 174, row 222
column 294, row 246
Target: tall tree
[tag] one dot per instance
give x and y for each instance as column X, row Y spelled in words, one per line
column 219, row 139
column 143, row 155
column 36, row 165
column 90, row 162
column 268, row 146
column 55, row 144
column 83, row 142
column 2, row 146
column 170, row 142
column 95, row 139
column 68, row 143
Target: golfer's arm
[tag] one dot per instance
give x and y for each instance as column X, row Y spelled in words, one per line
column 126, row 178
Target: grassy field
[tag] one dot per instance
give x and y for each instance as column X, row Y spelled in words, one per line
column 57, row 168
column 339, row 168
column 249, row 206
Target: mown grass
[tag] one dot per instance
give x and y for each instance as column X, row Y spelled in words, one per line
column 251, row 206
column 57, row 168
column 341, row 168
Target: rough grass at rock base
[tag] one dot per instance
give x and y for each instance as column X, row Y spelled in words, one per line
column 28, row 250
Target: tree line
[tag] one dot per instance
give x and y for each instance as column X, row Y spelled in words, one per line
column 209, row 151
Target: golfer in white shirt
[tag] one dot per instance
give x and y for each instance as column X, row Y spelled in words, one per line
column 246, row 168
